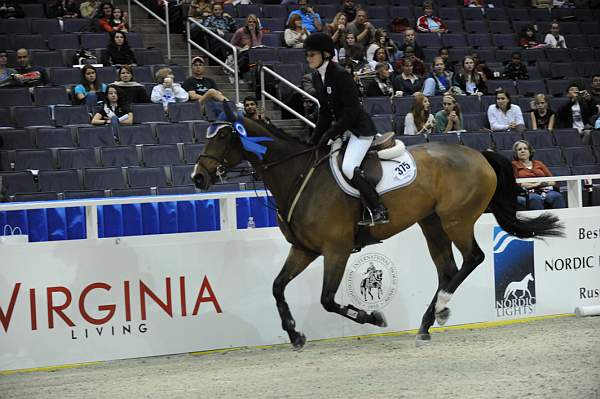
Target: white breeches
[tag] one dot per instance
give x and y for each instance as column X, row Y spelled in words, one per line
column 355, row 153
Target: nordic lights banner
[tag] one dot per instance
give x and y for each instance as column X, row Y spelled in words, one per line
column 89, row 300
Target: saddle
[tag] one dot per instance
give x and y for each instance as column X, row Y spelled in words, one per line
column 371, row 164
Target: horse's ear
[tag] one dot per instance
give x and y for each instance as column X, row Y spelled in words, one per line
column 229, row 109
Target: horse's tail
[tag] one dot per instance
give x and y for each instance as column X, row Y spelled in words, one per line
column 504, row 205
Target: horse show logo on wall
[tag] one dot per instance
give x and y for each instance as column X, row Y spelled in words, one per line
column 514, row 275
column 372, row 281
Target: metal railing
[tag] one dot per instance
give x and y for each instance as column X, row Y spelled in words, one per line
column 234, row 50
column 165, row 21
column 283, row 80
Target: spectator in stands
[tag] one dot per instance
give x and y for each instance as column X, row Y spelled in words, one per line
column 515, row 70
column 119, row 20
column 349, row 66
column 382, row 40
column 542, row 117
column 63, row 9
column 384, row 84
column 337, row 29
column 381, row 57
column 219, row 23
column 118, row 51
column 418, row 64
column 311, row 20
column 362, row 29
column 542, row 3
column 444, row 52
column 554, row 39
column 349, row 9
column 595, row 89
column 29, row 75
column 481, row 66
column 352, row 51
column 167, row 91
column 244, row 39
column 577, row 112
column 528, row 39
column 295, row 34
column 88, row 9
column 6, row 74
column 131, row 91
column 429, row 22
column 538, row 194
column 10, row 9
column 204, row 90
column 199, row 9
column 475, row 3
column 439, row 81
column 469, row 80
column 252, row 111
column 409, row 82
column 105, row 15
column 113, row 111
column 504, row 115
column 90, row 90
column 410, row 40
column 449, row 119
column 419, row 120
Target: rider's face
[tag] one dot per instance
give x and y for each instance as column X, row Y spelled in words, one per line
column 314, row 59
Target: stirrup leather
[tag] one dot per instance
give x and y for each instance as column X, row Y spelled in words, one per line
column 378, row 216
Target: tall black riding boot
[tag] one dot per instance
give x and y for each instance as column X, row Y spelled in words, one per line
column 377, row 213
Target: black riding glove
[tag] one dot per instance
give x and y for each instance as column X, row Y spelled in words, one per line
column 329, row 134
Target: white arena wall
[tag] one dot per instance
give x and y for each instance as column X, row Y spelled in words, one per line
column 87, row 300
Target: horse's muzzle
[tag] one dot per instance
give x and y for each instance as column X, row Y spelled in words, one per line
column 201, row 181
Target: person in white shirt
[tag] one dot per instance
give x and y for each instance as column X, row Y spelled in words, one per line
column 554, row 39
column 419, row 120
column 504, row 115
column 167, row 91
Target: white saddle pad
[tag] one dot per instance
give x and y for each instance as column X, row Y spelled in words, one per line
column 397, row 172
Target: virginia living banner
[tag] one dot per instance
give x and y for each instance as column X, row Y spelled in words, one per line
column 85, row 300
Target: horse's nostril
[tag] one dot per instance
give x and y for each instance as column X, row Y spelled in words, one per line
column 198, row 180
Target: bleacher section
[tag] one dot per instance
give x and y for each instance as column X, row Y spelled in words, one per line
column 48, row 149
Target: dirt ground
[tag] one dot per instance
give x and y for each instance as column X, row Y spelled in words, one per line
column 553, row 358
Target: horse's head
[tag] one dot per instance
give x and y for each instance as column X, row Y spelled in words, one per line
column 223, row 151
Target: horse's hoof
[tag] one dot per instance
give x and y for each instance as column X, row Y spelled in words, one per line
column 442, row 316
column 299, row 342
column 379, row 319
column 422, row 339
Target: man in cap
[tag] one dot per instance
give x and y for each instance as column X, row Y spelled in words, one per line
column 204, row 90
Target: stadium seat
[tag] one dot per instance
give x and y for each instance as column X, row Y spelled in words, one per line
column 429, row 40
column 137, row 134
column 65, row 76
column 15, row 96
column 531, row 87
column 31, row 42
column 261, row 54
column 125, row 155
column 45, row 26
column 550, row 156
column 567, row 137
column 473, row 122
column 447, row 13
column 53, row 138
column 539, row 138
column 469, row 104
column 378, row 105
column 32, row 116
column 59, row 180
column 160, row 155
column 147, row 177
column 402, row 105
column 134, row 40
column 149, row 56
column 17, row 182
column 383, row 123
column 503, row 39
column 199, row 128
column 131, row 192
column 180, row 174
column 273, row 24
column 479, row 40
column 496, row 14
column 76, row 158
column 557, row 87
column 507, row 85
column 94, row 40
column 413, row 140
column 33, row 159
column 61, row 41
column 561, row 70
column 174, row 133
column 28, row 197
column 191, row 152
column 274, row 11
column 187, row 111
column 505, row 140
column 143, row 113
column 449, row 138
column 143, row 74
column 13, row 139
column 47, row 59
column 292, row 55
column 472, row 14
column 106, row 74
column 100, row 136
column 454, row 40
column 14, row 26
column 33, row 10
column 534, row 55
column 71, row 115
column 50, row 96
column 84, row 194
column 71, row 25
column 103, row 178
column 579, row 156
column 477, row 140
column 176, row 190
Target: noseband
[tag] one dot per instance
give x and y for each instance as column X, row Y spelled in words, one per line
column 223, row 165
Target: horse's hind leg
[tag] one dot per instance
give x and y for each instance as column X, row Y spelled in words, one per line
column 440, row 248
column 295, row 264
column 335, row 264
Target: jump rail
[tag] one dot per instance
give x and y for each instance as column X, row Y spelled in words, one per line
column 165, row 21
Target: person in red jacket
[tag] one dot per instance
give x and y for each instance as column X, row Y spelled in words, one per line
column 429, row 22
column 105, row 11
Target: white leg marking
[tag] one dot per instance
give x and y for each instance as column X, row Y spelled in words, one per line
column 442, row 300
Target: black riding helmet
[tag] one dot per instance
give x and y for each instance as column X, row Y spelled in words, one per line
column 320, row 42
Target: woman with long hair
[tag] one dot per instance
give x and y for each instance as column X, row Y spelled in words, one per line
column 438, row 82
column 382, row 40
column 352, row 51
column 132, row 92
column 469, row 80
column 380, row 56
column 542, row 117
column 118, row 51
column 504, row 115
column 90, row 90
column 114, row 111
column 419, row 120
column 244, row 39
column 295, row 34
column 119, row 20
column 449, row 119
column 337, row 29
column 527, row 38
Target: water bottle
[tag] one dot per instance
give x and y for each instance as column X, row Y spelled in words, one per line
column 251, row 224
column 169, row 95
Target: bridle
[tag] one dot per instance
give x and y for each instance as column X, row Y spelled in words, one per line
column 223, row 165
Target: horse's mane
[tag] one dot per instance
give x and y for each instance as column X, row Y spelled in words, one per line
column 272, row 131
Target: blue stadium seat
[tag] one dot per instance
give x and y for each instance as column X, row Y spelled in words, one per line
column 12, row 139
column 64, row 76
column 181, row 174
column 199, row 128
column 402, row 105
column 15, row 96
column 62, row 41
column 33, row 10
column 32, row 116
column 71, row 25
column 131, row 192
column 274, row 11
column 59, row 180
column 160, row 155
column 71, row 115
column 243, row 10
column 550, row 156
column 17, row 182
column 429, row 40
column 94, row 40
column 176, row 190
column 273, row 24
column 172, row 133
column 45, row 26
column 505, row 140
column 134, row 40
column 83, row 194
column 291, row 55
column 53, row 138
column 191, row 152
column 143, row 74
column 477, row 140
column 76, row 158
column 378, row 105
column 383, row 123
column 507, row 85
column 103, row 178
column 473, row 122
column 567, row 137
column 125, row 155
column 187, row 111
column 13, row 26
column 33, row 159
column 558, row 54
column 413, row 140
column 100, row 136
column 269, row 55
column 149, row 56
column 50, row 96
column 448, row 138
column 469, row 104
column 539, row 138
column 531, row 87
column 28, row 197
column 478, row 28
column 106, row 74
column 561, row 70
column 47, row 59
column 454, row 40
column 137, row 134
column 579, row 156
column 143, row 113
column 31, row 42
column 501, row 38
column 147, row 177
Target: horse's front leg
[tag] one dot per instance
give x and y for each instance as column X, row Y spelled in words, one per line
column 295, row 264
column 335, row 264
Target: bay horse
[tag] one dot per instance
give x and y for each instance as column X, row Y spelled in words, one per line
column 454, row 186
